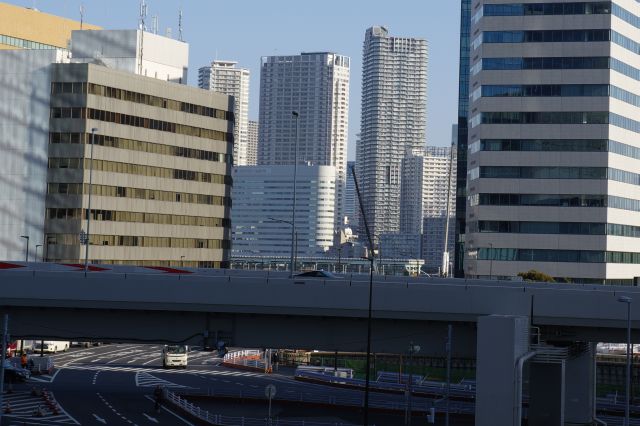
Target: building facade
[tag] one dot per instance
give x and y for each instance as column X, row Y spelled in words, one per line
column 351, row 198
column 252, row 143
column 224, row 77
column 263, row 210
column 553, row 141
column 160, row 174
column 316, row 85
column 25, row 90
column 25, row 28
column 394, row 96
column 462, row 129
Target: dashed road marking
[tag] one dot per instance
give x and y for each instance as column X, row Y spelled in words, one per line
column 113, row 409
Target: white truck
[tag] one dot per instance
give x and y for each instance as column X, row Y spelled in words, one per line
column 175, row 356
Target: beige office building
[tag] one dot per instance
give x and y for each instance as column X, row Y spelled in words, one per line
column 24, row 28
column 161, row 170
column 554, row 152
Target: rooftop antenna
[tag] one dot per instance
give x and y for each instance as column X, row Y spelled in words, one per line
column 143, row 15
column 81, row 15
column 180, row 24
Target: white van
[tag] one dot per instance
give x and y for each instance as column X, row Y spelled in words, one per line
column 51, row 346
column 175, row 356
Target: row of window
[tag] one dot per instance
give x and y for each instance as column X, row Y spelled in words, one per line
column 545, row 255
column 542, row 117
column 140, row 98
column 152, row 263
column 137, row 169
column 138, row 217
column 136, row 121
column 568, row 228
column 25, row 44
column 134, row 145
column 544, row 200
column 574, row 8
column 138, row 193
column 514, row 172
column 547, row 36
column 555, row 200
column 549, row 90
column 560, row 145
column 556, row 63
column 139, row 241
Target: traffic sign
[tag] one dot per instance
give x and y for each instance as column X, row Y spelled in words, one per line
column 270, row 391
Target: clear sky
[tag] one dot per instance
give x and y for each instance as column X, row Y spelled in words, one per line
column 246, row 30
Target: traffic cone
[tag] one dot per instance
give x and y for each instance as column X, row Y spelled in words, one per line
column 38, row 412
column 7, row 408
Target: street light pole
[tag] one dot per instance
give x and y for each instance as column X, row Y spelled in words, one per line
column 627, row 394
column 26, row 252
column 88, row 237
column 296, row 116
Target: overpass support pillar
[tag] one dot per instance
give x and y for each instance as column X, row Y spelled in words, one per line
column 502, row 345
column 562, row 391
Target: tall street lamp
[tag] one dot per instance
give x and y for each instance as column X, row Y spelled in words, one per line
column 627, row 394
column 26, row 252
column 296, row 116
column 88, row 237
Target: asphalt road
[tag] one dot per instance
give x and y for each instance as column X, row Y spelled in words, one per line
column 113, row 385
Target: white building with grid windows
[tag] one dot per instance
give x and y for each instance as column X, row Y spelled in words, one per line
column 262, row 210
column 316, row 85
column 394, row 109
column 224, row 77
column 252, row 143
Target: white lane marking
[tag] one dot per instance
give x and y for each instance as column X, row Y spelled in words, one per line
column 151, row 360
column 99, row 356
column 113, row 409
column 95, row 377
column 89, row 367
column 100, row 419
column 172, row 413
column 151, row 419
column 45, row 378
column 144, row 379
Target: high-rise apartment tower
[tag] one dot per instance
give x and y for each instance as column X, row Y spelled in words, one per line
column 316, row 85
column 394, row 97
column 224, row 77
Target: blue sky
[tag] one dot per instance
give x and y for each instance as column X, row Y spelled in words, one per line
column 246, row 30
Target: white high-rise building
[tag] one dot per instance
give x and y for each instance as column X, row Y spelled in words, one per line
column 252, row 143
column 262, row 210
column 224, row 77
column 394, row 109
column 316, row 85
column 554, row 152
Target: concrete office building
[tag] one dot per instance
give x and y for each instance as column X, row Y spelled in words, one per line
column 252, row 143
column 553, row 141
column 25, row 28
column 262, row 210
column 224, row 77
column 25, row 88
column 317, row 86
column 161, row 169
column 394, row 97
column 134, row 51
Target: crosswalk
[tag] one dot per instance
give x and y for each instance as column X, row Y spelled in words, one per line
column 132, row 369
column 146, row 380
column 24, row 408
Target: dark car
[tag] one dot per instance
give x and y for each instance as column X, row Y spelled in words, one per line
column 14, row 373
column 317, row 274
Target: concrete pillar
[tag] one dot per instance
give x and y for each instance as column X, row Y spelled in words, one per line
column 579, row 376
column 546, row 394
column 502, row 341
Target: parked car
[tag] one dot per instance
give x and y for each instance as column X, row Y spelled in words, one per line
column 13, row 373
column 51, row 346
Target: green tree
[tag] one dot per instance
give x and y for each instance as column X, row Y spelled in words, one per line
column 533, row 275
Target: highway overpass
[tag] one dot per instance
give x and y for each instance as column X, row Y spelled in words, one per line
column 260, row 309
